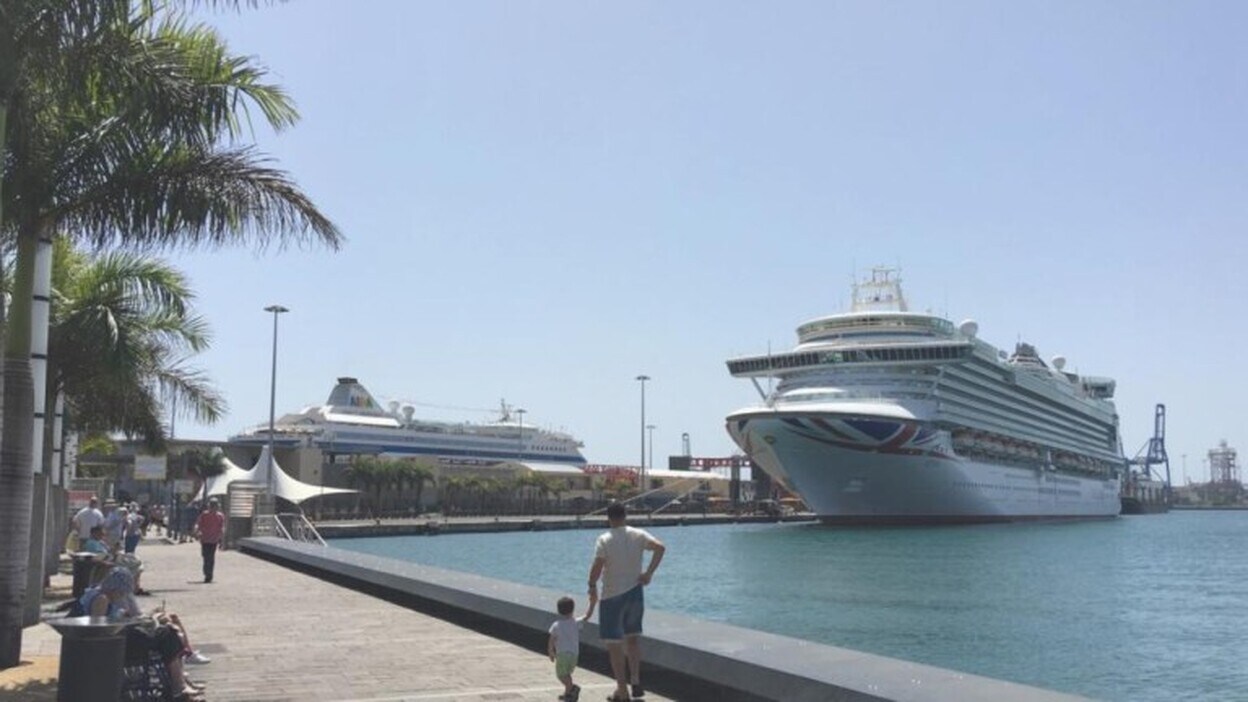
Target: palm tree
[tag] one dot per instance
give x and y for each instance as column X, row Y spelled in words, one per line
column 620, row 489
column 476, row 486
column 452, row 489
column 545, row 484
column 205, row 464
column 119, row 126
column 31, row 32
column 387, row 478
column 398, row 478
column 558, row 486
column 416, row 475
column 120, row 332
column 523, row 494
column 363, row 473
column 377, row 475
column 421, row 476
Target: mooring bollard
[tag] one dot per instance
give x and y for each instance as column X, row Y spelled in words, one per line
column 93, row 654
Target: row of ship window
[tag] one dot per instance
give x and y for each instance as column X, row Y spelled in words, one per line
column 934, row 323
column 881, row 355
column 349, row 436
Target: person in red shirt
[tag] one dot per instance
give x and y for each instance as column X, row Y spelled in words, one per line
column 210, row 529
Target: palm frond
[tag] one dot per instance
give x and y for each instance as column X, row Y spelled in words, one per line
column 122, row 331
column 185, row 198
column 192, row 392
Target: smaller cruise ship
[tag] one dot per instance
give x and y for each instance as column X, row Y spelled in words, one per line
column 352, row 422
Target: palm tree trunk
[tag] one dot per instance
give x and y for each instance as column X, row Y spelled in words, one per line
column 16, row 489
column 16, row 473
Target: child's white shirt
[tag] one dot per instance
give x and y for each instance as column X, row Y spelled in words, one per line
column 567, row 633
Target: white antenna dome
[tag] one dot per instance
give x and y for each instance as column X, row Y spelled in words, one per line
column 394, row 407
column 1059, row 362
column 969, row 328
column 408, row 410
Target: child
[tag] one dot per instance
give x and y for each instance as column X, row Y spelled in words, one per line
column 565, row 643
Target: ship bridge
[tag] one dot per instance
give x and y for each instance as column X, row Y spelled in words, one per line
column 892, row 354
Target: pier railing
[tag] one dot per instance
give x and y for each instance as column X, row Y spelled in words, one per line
column 294, row 526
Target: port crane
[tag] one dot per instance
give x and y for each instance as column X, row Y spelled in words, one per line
column 1153, row 453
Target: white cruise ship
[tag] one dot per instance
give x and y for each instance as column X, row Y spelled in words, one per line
column 886, row 416
column 352, row 422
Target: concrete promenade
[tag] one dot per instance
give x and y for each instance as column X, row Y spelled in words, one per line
column 276, row 634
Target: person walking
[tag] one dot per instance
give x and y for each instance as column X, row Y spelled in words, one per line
column 617, row 560
column 114, row 520
column 132, row 530
column 210, row 529
column 87, row 519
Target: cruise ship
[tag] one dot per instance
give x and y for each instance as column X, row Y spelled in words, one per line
column 352, row 422
column 886, row 416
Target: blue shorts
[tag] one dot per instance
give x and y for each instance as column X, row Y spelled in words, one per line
column 620, row 616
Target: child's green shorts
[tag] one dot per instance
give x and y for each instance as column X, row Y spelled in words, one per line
column 565, row 663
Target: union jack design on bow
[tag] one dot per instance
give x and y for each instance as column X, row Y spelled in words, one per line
column 892, row 436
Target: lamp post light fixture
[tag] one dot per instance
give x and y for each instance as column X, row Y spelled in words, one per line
column 650, row 428
column 642, row 379
column 276, row 310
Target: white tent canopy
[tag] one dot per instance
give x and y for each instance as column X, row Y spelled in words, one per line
column 284, row 486
column 219, row 484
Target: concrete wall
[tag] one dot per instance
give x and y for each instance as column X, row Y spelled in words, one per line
column 685, row 658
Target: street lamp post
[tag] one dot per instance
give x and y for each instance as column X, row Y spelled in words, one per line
column 650, row 428
column 276, row 310
column 642, row 379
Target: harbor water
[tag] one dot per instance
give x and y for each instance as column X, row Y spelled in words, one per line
column 1144, row 608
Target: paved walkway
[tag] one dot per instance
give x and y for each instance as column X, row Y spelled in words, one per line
column 275, row 634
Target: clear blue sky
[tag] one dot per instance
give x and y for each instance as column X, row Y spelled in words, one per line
column 545, row 199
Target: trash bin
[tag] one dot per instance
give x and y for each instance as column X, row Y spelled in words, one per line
column 93, row 654
column 84, row 563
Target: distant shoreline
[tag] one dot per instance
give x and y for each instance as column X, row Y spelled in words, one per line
column 436, row 525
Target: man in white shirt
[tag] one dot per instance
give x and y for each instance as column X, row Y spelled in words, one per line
column 114, row 520
column 87, row 518
column 617, row 559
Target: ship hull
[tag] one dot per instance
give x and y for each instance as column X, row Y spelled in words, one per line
column 872, row 470
column 1135, row 505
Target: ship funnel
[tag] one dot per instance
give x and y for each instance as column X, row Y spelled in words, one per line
column 969, row 328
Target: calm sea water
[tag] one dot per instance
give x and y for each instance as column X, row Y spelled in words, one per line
column 1135, row 609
